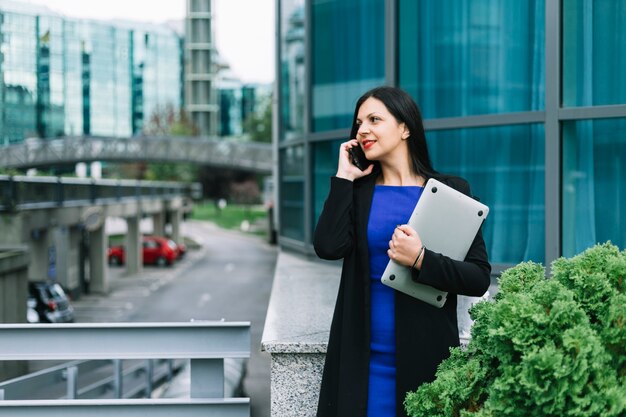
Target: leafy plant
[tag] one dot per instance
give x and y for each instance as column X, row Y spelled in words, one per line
column 543, row 347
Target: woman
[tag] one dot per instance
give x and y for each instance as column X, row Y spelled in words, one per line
column 384, row 343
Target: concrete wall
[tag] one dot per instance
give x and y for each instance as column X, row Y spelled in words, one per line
column 296, row 332
column 11, row 229
column 13, row 289
column 297, row 329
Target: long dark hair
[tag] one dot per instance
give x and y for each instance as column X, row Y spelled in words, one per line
column 405, row 110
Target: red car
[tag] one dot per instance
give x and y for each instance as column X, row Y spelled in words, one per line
column 156, row 251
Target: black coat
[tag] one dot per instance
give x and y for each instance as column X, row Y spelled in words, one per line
column 424, row 334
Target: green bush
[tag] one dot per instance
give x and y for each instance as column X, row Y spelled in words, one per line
column 543, row 347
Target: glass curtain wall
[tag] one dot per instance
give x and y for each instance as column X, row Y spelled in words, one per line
column 594, row 150
column 292, row 103
column 483, row 57
column 109, row 93
column 73, row 92
column 50, row 80
column 348, row 58
column 73, row 77
column 477, row 68
column 19, row 72
column 505, row 168
column 472, row 57
column 292, row 83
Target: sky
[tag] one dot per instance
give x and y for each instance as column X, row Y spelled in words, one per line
column 244, row 29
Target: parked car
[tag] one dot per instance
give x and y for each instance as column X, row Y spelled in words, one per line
column 182, row 249
column 48, row 303
column 156, row 250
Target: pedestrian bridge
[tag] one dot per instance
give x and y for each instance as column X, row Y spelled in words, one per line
column 34, row 153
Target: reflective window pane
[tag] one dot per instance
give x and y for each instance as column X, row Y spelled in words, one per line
column 348, row 57
column 71, row 77
column 469, row 57
column 325, row 159
column 292, row 68
column 594, row 184
column 505, row 169
column 594, row 52
column 292, row 192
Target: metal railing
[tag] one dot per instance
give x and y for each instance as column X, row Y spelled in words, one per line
column 205, row 344
column 23, row 192
column 98, row 379
column 33, row 152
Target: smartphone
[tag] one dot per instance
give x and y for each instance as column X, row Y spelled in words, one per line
column 357, row 156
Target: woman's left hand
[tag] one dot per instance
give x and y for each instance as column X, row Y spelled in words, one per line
column 405, row 245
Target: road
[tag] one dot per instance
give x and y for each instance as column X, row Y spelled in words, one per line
column 228, row 277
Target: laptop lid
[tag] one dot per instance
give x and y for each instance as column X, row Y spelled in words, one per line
column 447, row 221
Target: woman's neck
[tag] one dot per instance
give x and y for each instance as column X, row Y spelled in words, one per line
column 399, row 176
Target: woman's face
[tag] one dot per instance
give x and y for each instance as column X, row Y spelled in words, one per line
column 379, row 133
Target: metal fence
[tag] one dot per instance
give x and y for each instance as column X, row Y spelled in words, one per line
column 93, row 379
column 205, row 344
column 23, row 192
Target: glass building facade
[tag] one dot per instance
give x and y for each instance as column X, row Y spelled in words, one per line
column 524, row 99
column 63, row 77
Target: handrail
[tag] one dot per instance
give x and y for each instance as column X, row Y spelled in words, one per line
column 229, row 407
column 205, row 343
column 193, row 340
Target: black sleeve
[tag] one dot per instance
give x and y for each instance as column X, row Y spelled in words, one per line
column 334, row 233
column 468, row 277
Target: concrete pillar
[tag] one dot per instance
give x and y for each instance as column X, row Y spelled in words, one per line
column 158, row 224
column 176, row 217
column 98, row 266
column 38, row 246
column 133, row 246
column 61, row 243
column 73, row 259
column 66, row 242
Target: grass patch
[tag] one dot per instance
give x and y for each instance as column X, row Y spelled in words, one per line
column 115, row 240
column 231, row 216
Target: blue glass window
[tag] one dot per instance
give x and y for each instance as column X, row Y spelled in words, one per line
column 462, row 57
column 292, row 68
column 594, row 184
column 594, row 52
column 292, row 192
column 348, row 58
column 325, row 160
column 505, row 168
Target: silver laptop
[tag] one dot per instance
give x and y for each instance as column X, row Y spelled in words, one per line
column 447, row 222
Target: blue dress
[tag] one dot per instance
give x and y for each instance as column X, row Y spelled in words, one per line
column 391, row 206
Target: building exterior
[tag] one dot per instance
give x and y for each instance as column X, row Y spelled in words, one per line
column 524, row 99
column 64, row 76
column 238, row 102
column 201, row 100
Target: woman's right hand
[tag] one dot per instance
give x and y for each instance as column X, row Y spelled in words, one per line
column 346, row 169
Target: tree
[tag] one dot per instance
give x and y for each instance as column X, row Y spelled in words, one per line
column 170, row 122
column 259, row 126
